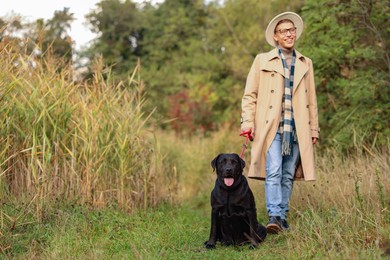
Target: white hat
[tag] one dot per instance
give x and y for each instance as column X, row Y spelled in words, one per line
column 295, row 18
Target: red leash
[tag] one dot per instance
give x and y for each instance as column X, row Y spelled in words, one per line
column 248, row 137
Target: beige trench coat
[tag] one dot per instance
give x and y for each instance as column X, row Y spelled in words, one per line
column 262, row 107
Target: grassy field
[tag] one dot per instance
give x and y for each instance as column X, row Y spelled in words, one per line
column 344, row 215
column 170, row 232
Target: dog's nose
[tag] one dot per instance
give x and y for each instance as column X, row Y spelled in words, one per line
column 229, row 170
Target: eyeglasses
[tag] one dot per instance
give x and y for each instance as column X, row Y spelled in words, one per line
column 284, row 31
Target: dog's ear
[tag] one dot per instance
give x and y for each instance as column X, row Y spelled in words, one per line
column 214, row 162
column 242, row 162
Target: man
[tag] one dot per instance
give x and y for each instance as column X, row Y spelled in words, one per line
column 279, row 109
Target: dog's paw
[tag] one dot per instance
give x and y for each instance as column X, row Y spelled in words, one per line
column 209, row 245
column 225, row 243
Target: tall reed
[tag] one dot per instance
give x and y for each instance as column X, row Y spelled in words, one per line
column 84, row 142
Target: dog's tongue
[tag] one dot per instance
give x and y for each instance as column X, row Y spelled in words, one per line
column 228, row 181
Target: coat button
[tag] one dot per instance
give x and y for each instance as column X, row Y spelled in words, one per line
column 270, row 107
column 272, row 91
column 266, row 121
column 307, row 106
column 273, row 74
column 309, row 122
column 305, row 90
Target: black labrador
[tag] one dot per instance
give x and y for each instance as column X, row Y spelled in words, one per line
column 233, row 216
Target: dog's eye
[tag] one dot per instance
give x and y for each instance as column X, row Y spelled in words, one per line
column 223, row 161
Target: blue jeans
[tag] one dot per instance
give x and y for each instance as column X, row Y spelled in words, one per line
column 280, row 175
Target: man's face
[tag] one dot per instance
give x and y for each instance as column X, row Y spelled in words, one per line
column 285, row 35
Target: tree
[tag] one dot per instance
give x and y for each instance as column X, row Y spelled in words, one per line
column 10, row 27
column 39, row 39
column 175, row 54
column 117, row 24
column 52, row 35
column 348, row 41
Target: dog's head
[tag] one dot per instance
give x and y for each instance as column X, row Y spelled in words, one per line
column 229, row 168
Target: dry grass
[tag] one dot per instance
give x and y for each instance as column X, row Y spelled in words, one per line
column 346, row 211
column 87, row 142
column 348, row 206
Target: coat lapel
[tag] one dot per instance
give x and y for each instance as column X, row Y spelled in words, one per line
column 274, row 62
column 300, row 69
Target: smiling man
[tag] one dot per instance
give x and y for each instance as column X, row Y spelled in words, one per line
column 279, row 109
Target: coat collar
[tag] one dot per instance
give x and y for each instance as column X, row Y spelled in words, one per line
column 301, row 66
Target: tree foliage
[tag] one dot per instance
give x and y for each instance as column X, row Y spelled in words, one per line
column 187, row 45
column 55, row 34
column 118, row 26
column 40, row 37
column 196, row 54
column 176, row 58
column 349, row 43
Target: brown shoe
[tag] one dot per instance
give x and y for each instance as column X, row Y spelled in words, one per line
column 274, row 225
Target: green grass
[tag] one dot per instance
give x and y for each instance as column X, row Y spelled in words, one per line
column 166, row 232
column 343, row 215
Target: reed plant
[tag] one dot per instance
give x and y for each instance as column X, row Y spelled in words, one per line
column 89, row 143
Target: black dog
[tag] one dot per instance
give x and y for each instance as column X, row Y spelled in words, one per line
column 233, row 216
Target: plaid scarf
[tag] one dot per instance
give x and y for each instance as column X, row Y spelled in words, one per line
column 288, row 116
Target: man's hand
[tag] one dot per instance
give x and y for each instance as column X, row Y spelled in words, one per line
column 314, row 140
column 248, row 132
